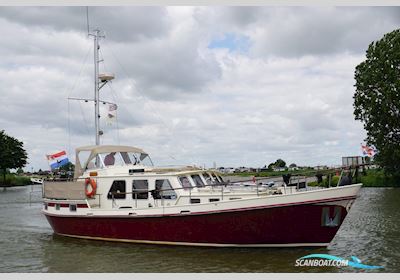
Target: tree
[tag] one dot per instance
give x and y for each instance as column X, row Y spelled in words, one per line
column 377, row 99
column 12, row 153
column 280, row 163
column 292, row 165
column 68, row 167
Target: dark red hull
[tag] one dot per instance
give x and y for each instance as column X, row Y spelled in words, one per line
column 296, row 224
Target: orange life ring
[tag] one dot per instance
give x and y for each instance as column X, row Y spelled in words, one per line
column 90, row 192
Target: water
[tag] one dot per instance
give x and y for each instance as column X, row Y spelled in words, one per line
column 27, row 244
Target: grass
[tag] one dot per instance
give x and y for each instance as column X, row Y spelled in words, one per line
column 14, row 180
column 377, row 178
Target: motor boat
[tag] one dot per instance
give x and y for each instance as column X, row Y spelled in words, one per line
column 119, row 195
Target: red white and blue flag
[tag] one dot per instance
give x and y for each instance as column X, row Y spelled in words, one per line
column 368, row 151
column 57, row 160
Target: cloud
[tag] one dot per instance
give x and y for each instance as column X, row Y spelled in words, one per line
column 185, row 94
column 322, row 30
column 134, row 23
column 299, row 31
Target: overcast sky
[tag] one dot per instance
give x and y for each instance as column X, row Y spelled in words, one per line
column 239, row 86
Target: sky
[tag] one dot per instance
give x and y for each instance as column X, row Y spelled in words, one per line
column 238, row 86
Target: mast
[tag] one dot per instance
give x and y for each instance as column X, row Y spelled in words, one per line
column 96, row 86
column 99, row 81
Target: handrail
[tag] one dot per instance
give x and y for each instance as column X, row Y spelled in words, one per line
column 224, row 184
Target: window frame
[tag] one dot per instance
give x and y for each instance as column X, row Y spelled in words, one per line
column 160, row 194
column 196, row 183
column 117, row 196
column 188, row 179
column 143, row 195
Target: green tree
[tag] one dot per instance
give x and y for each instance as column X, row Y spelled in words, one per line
column 377, row 99
column 280, row 163
column 12, row 153
column 68, row 167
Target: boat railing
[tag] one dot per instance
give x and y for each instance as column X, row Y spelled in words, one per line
column 158, row 194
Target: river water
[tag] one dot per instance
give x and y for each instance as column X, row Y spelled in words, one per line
column 370, row 232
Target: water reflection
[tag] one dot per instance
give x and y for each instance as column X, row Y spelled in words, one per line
column 98, row 256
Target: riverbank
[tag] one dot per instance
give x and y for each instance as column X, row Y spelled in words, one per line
column 371, row 178
column 13, row 180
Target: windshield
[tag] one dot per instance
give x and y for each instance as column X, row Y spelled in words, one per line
column 197, row 180
column 125, row 158
column 208, row 179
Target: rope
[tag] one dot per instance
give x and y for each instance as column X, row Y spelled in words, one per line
column 68, row 93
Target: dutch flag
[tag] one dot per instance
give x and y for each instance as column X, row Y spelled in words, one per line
column 368, row 151
column 57, row 160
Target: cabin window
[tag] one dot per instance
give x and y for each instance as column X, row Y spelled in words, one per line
column 194, row 200
column 214, row 177
column 220, row 179
column 126, row 158
column 117, row 190
column 185, row 183
column 164, row 190
column 45, row 206
column 197, row 180
column 140, row 188
column 72, row 207
column 112, row 159
column 94, row 163
column 137, row 158
column 207, row 178
column 213, row 199
column 57, row 206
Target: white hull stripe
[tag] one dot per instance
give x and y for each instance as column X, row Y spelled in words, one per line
column 197, row 244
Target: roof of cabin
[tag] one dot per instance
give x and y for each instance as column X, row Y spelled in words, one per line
column 109, row 149
column 100, row 149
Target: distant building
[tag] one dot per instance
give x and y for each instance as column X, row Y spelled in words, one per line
column 227, row 170
column 262, row 169
column 352, row 161
column 277, row 169
column 320, row 167
column 243, row 169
